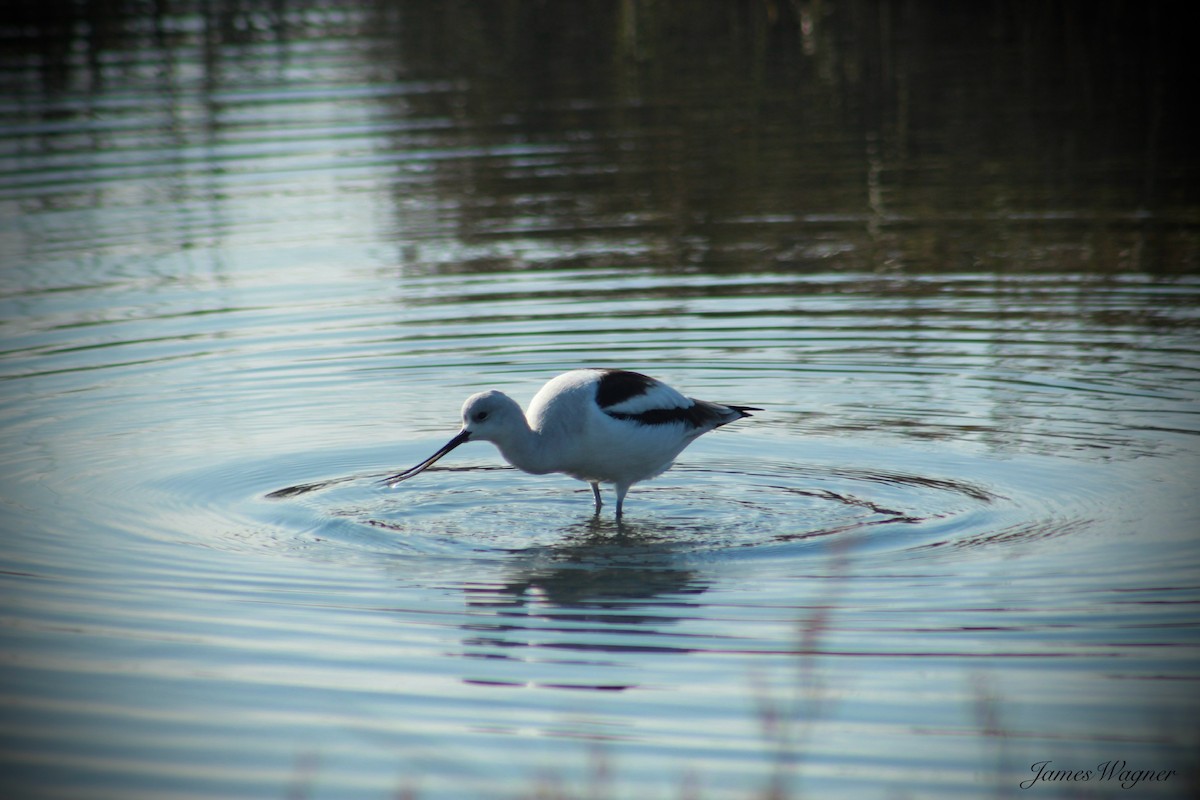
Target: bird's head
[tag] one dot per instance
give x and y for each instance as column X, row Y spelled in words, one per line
column 490, row 416
column 486, row 417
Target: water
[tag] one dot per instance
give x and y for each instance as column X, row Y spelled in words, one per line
column 255, row 256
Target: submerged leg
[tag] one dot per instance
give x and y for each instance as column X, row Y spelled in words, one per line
column 596, row 494
column 622, row 488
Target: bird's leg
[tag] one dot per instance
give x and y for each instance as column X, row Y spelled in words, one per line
column 596, row 494
column 622, row 488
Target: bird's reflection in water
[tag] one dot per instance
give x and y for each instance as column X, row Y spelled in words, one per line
column 570, row 614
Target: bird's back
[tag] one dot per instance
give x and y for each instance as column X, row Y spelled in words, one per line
column 619, row 426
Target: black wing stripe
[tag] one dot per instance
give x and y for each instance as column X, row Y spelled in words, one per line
column 700, row 415
column 692, row 417
column 618, row 385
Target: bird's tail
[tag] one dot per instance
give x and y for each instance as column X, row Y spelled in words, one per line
column 726, row 414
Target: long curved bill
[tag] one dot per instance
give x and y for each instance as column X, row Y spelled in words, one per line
column 462, row 436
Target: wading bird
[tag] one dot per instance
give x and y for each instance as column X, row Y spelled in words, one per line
column 595, row 425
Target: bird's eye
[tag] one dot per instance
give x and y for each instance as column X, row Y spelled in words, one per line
column 480, row 416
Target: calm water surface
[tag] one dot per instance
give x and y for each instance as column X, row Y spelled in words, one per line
column 255, row 258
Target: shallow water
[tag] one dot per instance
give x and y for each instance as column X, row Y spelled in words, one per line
column 254, row 259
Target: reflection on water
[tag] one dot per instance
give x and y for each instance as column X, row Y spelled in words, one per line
column 612, row 571
column 576, row 605
column 255, row 255
column 803, row 138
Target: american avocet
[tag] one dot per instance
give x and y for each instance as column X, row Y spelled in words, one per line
column 596, row 425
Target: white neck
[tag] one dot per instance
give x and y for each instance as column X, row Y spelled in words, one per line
column 523, row 448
